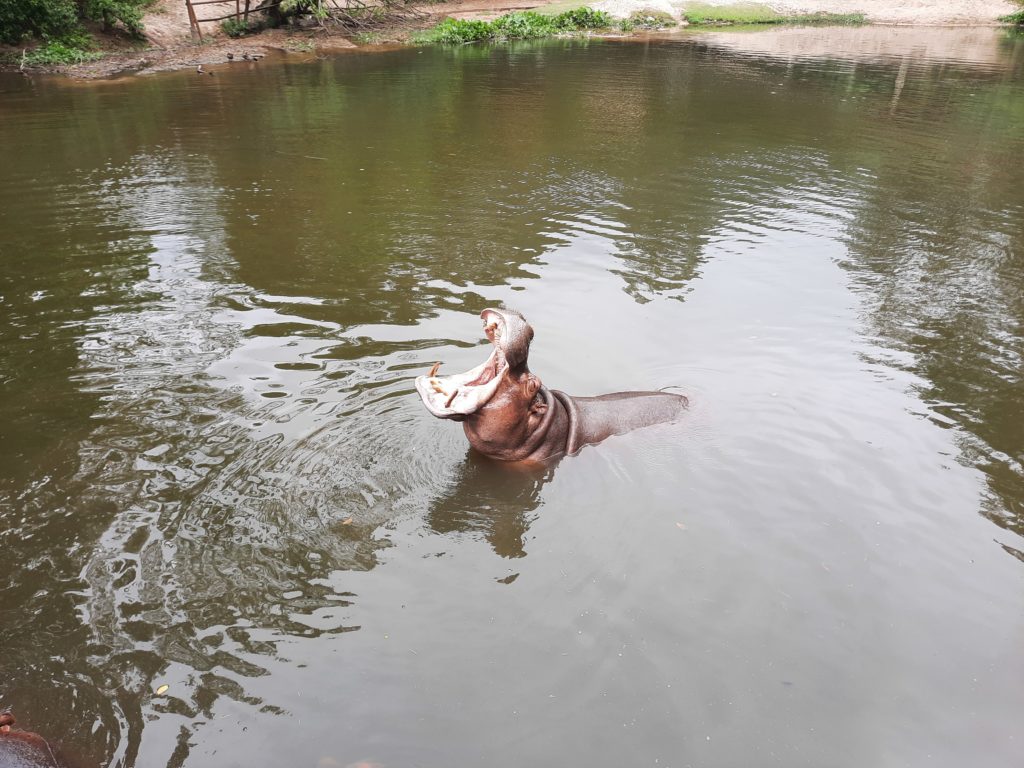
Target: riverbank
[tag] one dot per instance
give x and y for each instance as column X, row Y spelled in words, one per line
column 927, row 13
column 169, row 43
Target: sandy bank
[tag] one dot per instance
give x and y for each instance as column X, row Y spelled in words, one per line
column 923, row 12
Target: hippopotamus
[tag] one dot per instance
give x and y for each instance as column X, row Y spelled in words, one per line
column 508, row 414
column 24, row 749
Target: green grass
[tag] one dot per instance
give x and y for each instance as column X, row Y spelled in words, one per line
column 741, row 13
column 1017, row 17
column 647, row 19
column 70, row 50
column 519, row 25
column 828, row 19
column 755, row 13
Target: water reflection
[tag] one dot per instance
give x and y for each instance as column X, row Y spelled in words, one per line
column 492, row 500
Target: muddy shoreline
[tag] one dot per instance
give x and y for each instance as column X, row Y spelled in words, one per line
column 170, row 46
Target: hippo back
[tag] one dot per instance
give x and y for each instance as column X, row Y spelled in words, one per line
column 592, row 419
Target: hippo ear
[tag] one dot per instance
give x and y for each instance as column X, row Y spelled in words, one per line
column 531, row 386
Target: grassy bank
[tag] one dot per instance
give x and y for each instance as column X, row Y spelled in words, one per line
column 753, row 13
column 1017, row 17
column 72, row 48
column 528, row 25
column 519, row 25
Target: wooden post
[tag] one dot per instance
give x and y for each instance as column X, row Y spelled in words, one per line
column 193, row 22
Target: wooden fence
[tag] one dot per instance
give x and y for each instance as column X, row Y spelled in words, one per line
column 240, row 14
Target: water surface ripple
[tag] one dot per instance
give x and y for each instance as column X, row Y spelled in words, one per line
column 216, row 475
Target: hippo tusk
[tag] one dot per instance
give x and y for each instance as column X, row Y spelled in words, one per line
column 448, row 404
column 433, row 371
column 437, row 387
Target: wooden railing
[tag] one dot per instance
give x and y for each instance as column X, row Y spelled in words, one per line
column 241, row 13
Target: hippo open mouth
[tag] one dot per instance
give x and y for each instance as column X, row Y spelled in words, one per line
column 461, row 394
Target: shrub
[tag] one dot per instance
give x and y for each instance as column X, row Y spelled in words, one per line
column 457, row 31
column 43, row 18
column 519, row 25
column 522, row 25
column 110, row 12
column 53, row 19
column 582, row 18
column 235, row 27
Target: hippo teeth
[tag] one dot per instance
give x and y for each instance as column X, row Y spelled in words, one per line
column 494, row 326
column 462, row 394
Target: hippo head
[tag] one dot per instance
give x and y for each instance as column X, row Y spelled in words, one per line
column 461, row 395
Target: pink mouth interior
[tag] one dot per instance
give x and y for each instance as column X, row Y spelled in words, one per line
column 494, row 362
column 461, row 394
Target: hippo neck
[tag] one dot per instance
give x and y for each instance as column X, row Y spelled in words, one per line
column 572, row 415
column 535, row 442
column 558, row 434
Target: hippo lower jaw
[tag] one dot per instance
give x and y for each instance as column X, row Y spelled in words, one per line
column 463, row 394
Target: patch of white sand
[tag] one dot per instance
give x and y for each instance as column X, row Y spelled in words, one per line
column 924, row 12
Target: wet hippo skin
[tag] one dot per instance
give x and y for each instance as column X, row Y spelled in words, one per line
column 24, row 749
column 508, row 414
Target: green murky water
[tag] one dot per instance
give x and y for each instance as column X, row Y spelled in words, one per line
column 215, row 474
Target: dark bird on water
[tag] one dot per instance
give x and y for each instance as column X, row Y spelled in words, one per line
column 231, row 56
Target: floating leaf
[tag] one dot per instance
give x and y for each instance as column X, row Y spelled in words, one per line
column 162, row 689
column 347, row 521
column 680, row 526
